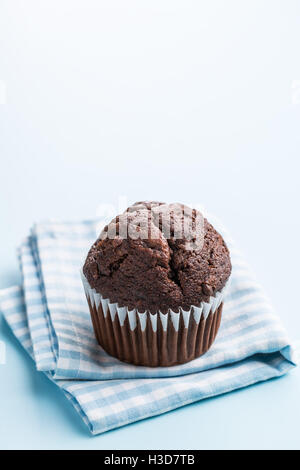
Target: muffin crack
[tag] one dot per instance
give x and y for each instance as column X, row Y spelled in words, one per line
column 116, row 264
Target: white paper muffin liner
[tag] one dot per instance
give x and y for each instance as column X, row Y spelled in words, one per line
column 160, row 339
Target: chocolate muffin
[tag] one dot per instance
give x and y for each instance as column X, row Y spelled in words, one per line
column 154, row 281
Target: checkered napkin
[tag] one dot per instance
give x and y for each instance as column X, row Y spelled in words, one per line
column 50, row 317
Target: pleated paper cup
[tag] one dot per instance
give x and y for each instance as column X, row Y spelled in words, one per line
column 154, row 340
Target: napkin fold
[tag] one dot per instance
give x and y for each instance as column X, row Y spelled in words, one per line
column 49, row 316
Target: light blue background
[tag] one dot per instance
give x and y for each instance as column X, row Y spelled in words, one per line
column 171, row 100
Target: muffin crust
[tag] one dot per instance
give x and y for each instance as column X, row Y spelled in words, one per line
column 142, row 260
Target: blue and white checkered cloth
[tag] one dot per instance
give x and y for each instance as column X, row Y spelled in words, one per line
column 50, row 317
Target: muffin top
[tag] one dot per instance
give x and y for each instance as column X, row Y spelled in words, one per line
column 157, row 256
